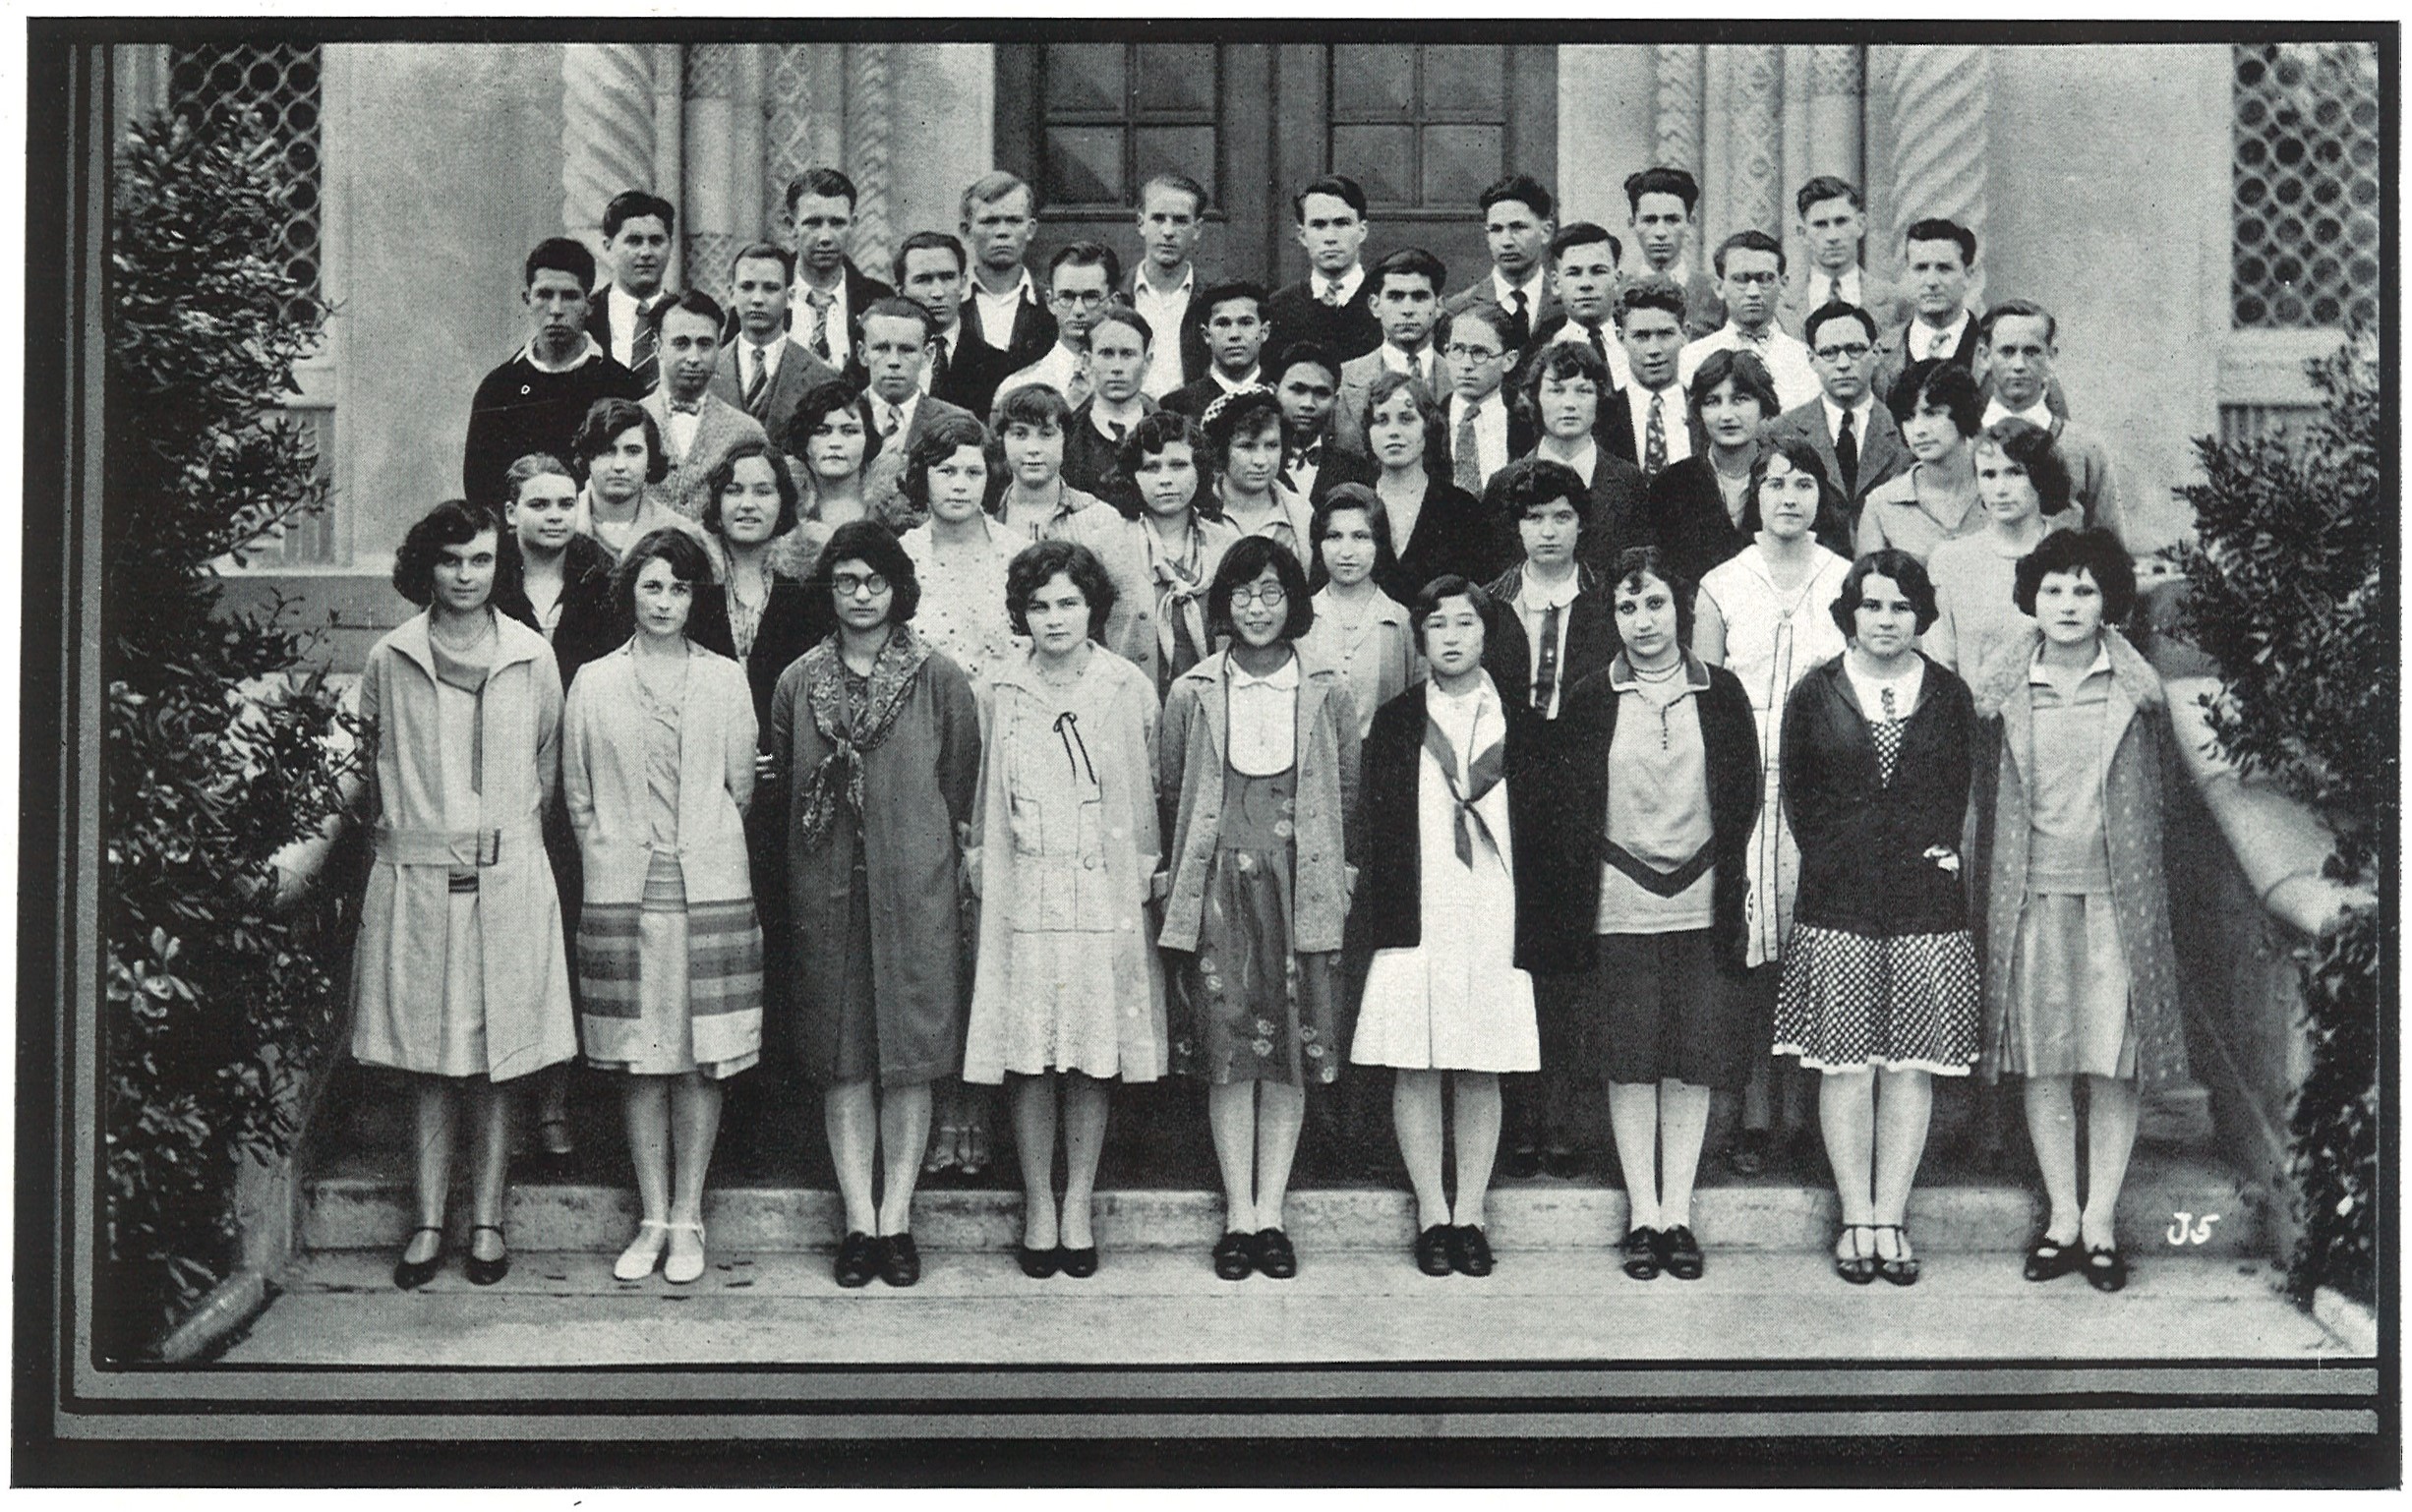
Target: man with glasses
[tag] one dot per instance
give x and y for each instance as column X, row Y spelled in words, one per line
column 1749, row 268
column 1484, row 433
column 1854, row 435
column 1081, row 279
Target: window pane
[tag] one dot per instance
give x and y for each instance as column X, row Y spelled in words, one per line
column 1380, row 157
column 1372, row 83
column 1085, row 78
column 1459, row 162
column 1175, row 79
column 1186, row 149
column 1465, row 82
column 1083, row 165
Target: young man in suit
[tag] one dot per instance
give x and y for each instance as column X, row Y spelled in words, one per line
column 1407, row 296
column 1230, row 325
column 962, row 369
column 636, row 231
column 1854, row 435
column 1583, row 258
column 1938, row 259
column 1662, row 202
column 1306, row 377
column 896, row 343
column 831, row 293
column 1749, row 266
column 1003, row 310
column 1119, row 344
column 1081, row 279
column 698, row 426
column 1519, row 220
column 1485, row 432
column 1330, row 305
column 1566, row 387
column 1834, row 225
column 1646, row 422
column 2017, row 345
column 1171, row 212
column 535, row 401
column 765, row 370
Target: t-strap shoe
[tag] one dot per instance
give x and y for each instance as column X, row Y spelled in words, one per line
column 686, row 1261
column 644, row 1251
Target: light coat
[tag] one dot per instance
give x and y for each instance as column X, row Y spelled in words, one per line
column 602, row 774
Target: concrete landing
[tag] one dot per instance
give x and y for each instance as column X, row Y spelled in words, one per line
column 1146, row 1308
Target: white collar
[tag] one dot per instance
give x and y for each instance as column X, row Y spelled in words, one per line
column 1845, row 287
column 1530, row 288
column 1281, row 680
column 1585, row 463
column 1533, row 596
column 1256, row 376
column 1026, row 289
column 2037, row 414
column 902, row 407
column 1458, row 404
column 588, row 351
column 1769, row 334
column 1834, row 414
column 1140, row 286
column 1949, row 334
column 1348, row 283
column 1399, row 361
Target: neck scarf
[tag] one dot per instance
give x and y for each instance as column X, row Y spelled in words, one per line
column 851, row 733
column 468, row 672
column 1482, row 775
column 1180, row 600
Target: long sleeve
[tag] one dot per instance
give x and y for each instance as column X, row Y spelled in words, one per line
column 371, row 736
column 577, row 781
column 1148, row 824
column 741, row 736
column 1942, row 639
column 1344, row 715
column 959, row 739
column 1172, row 750
column 1804, row 783
column 548, row 727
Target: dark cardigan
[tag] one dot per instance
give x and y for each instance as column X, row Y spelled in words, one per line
column 1451, row 535
column 1387, row 912
column 1557, row 803
column 1863, row 863
column 1507, row 656
column 788, row 630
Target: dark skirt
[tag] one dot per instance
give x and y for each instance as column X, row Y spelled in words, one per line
column 1663, row 1009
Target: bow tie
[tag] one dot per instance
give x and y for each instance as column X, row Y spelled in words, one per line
column 695, row 408
column 1309, row 455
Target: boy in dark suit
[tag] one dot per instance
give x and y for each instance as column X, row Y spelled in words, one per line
column 764, row 370
column 535, row 403
column 637, row 232
column 1330, row 307
column 1231, row 326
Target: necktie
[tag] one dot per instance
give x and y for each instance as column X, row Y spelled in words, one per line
column 1847, row 455
column 1119, row 429
column 760, row 379
column 937, row 362
column 1888, row 734
column 645, row 347
column 1466, row 461
column 1599, row 347
column 1520, row 316
column 820, row 303
column 1654, row 443
column 1331, row 295
column 1545, row 663
column 887, row 419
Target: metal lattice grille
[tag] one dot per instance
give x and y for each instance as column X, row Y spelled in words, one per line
column 2307, row 185
column 280, row 82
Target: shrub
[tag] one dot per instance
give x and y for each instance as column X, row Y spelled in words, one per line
column 214, row 1003
column 2287, row 590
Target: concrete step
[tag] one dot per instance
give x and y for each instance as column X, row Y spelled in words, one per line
column 360, row 1209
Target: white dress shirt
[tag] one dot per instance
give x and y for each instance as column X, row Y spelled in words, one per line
column 841, row 318
column 1534, row 599
column 1264, row 713
column 1676, row 420
column 1786, row 358
column 1419, row 366
column 1905, row 687
column 749, row 356
column 1825, row 291
column 627, row 314
column 1861, row 413
column 952, row 340
column 1504, row 293
column 1253, row 380
column 1165, row 314
column 1924, row 341
column 2038, row 415
column 1347, row 285
column 1062, row 370
column 683, row 427
column 881, row 408
column 1584, row 462
column 1490, row 431
column 1619, row 366
column 997, row 310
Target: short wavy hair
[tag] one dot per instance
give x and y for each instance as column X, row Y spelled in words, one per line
column 1167, row 427
column 1442, row 589
column 1342, row 498
column 1242, row 411
column 534, row 464
column 1636, row 562
column 820, row 401
column 1564, row 360
column 606, row 422
column 939, row 443
column 2095, row 550
column 1030, row 404
column 1905, row 570
column 1035, row 566
column 454, row 522
column 1938, row 380
column 688, row 564
column 1833, row 515
column 1528, row 482
column 2030, row 446
column 1245, row 562
column 1386, row 385
column 1749, row 377
column 875, row 545
column 790, row 503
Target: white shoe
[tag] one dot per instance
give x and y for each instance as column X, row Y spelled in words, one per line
column 685, row 1264
column 644, row 1251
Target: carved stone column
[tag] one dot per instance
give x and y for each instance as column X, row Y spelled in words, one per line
column 1838, row 98
column 669, row 147
column 712, row 217
column 868, row 102
column 1678, row 139
column 607, row 129
column 803, row 89
column 1749, row 192
column 1941, row 102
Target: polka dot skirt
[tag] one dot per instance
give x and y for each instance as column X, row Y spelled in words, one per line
column 1907, row 1002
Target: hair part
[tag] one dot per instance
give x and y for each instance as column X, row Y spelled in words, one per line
column 1200, row 201
column 1937, row 229
column 1744, row 370
column 1343, row 500
column 1749, row 241
column 2093, row 550
column 1337, row 185
column 635, row 204
column 1584, row 233
column 1407, row 261
column 1524, row 190
column 1637, row 563
column 1035, row 566
column 724, row 473
column 929, row 241
column 1938, row 380
column 1525, row 485
column 533, row 465
column 454, row 522
column 875, row 545
column 1831, row 523
column 820, row 183
column 2009, row 307
column 939, row 443
column 765, row 251
column 1438, row 590
column 1837, row 310
column 606, row 422
column 1908, row 573
column 688, row 563
column 1823, row 188
column 1086, row 254
column 2032, row 448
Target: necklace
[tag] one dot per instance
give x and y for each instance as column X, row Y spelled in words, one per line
column 1056, row 678
column 459, row 644
column 1670, row 669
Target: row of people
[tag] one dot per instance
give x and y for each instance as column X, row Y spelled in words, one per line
column 1261, row 842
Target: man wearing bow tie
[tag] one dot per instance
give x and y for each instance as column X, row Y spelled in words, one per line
column 1406, row 297
column 1749, row 266
column 1330, row 306
column 1306, row 379
column 698, row 426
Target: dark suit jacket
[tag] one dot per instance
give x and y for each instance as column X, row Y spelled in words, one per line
column 1893, row 355
column 1297, row 315
column 1092, row 460
column 1883, row 455
column 883, row 480
column 862, row 291
column 790, row 626
column 1613, row 518
column 1032, row 334
column 1450, row 536
column 1591, row 641
column 800, row 372
column 1191, row 398
column 1545, row 313
column 599, row 326
column 1685, row 518
column 1615, row 424
column 1337, row 464
column 973, row 374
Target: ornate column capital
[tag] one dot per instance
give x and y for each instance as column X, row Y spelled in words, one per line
column 607, row 128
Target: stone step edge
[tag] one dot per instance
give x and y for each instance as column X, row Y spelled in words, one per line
column 369, row 1213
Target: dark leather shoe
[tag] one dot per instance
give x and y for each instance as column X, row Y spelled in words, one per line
column 1641, row 1260
column 1235, row 1256
column 1523, row 1164
column 1469, row 1252
column 1039, row 1264
column 1679, row 1252
column 410, row 1275
column 899, row 1262
column 2049, row 1258
column 858, row 1259
column 1432, row 1251
column 1274, row 1256
column 1079, row 1264
column 2106, row 1270
column 485, row 1272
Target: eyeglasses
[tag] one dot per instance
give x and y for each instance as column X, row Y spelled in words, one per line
column 1850, row 351
column 1080, row 296
column 1458, row 351
column 847, row 585
column 1271, row 596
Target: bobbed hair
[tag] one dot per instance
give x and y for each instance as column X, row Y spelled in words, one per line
column 937, row 443
column 688, row 560
column 1245, row 562
column 606, row 422
column 1035, row 566
column 454, row 522
column 1442, row 589
column 1035, row 405
column 1749, row 373
column 2030, row 446
column 820, row 401
column 1525, row 485
column 1938, row 380
column 1906, row 572
column 1165, row 427
column 2095, row 550
column 1340, row 501
column 536, row 464
column 875, row 545
column 790, row 505
column 1385, row 387
column 1240, row 413
column 1564, row 360
column 1831, row 523
column 1636, row 562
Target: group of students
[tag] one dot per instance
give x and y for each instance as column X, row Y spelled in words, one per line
column 1506, row 724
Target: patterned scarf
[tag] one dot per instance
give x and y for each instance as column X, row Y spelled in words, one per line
column 850, row 733
column 1482, row 775
column 1180, row 600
